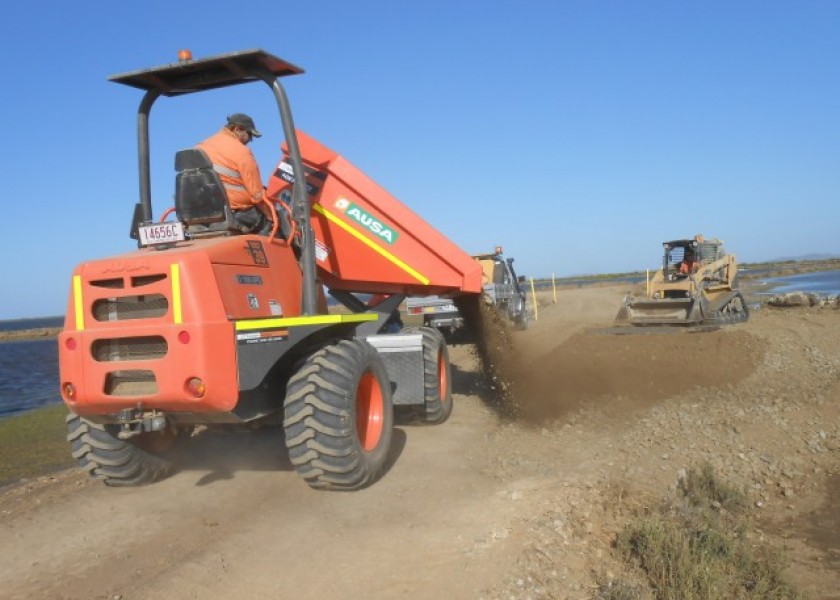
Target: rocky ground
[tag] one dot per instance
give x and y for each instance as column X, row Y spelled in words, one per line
column 485, row 505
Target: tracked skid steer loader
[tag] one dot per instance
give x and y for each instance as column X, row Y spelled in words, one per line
column 697, row 285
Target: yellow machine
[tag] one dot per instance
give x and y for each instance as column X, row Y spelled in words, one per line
column 696, row 285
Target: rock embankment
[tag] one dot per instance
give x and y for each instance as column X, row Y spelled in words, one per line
column 803, row 299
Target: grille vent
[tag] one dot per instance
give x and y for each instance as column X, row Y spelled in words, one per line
column 146, row 280
column 133, row 348
column 116, row 283
column 130, row 383
column 130, row 307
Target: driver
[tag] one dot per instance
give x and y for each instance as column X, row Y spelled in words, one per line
column 688, row 264
column 237, row 168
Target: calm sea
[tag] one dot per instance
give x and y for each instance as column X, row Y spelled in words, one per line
column 825, row 283
column 28, row 375
column 29, row 369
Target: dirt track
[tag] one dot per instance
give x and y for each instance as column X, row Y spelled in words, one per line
column 479, row 507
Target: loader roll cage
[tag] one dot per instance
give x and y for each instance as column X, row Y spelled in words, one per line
column 190, row 76
column 704, row 251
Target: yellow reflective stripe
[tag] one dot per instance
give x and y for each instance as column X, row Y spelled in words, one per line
column 175, row 272
column 373, row 245
column 78, row 307
column 251, row 324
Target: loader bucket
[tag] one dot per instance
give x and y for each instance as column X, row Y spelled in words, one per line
column 673, row 311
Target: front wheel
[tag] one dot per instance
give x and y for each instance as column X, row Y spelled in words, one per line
column 338, row 416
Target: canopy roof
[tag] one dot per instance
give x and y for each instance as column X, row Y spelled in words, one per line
column 188, row 76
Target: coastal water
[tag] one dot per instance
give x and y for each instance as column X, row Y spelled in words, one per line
column 28, row 375
column 29, row 368
column 824, row 283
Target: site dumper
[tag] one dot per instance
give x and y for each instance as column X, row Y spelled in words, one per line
column 204, row 325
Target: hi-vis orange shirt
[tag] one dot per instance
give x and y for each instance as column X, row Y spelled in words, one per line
column 237, row 168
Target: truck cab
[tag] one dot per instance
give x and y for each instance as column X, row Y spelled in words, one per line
column 501, row 288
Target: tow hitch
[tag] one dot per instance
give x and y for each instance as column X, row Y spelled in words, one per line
column 133, row 422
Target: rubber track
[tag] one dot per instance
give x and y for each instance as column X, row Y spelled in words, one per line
column 320, row 421
column 110, row 459
column 732, row 318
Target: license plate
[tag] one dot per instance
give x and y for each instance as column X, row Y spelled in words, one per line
column 440, row 308
column 161, row 233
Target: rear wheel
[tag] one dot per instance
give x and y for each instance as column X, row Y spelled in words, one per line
column 118, row 462
column 437, row 386
column 339, row 417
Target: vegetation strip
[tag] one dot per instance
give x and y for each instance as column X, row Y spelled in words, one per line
column 33, row 444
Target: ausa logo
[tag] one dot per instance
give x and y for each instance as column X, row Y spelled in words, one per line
column 366, row 220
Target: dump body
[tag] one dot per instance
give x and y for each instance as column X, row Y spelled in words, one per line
column 367, row 240
column 704, row 292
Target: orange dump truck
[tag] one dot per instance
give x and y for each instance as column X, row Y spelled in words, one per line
column 204, row 325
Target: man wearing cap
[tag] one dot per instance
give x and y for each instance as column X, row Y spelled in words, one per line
column 237, row 168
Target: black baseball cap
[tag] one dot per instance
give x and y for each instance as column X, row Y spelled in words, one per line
column 244, row 121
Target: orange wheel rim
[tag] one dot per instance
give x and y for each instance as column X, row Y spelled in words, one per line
column 370, row 409
column 442, row 381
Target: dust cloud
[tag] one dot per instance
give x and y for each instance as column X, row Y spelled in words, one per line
column 615, row 374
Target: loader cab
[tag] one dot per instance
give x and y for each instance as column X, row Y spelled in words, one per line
column 680, row 259
column 496, row 269
column 709, row 261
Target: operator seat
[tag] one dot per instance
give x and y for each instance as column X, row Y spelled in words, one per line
column 201, row 202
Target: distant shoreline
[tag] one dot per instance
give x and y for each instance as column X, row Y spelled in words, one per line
column 768, row 270
column 30, row 334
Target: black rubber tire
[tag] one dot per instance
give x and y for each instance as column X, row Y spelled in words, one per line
column 437, row 372
column 116, row 462
column 338, row 417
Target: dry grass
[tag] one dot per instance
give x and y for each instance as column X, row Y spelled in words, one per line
column 697, row 547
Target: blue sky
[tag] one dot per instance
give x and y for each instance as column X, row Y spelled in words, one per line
column 579, row 134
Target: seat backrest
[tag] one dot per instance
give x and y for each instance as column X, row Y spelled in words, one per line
column 200, row 198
